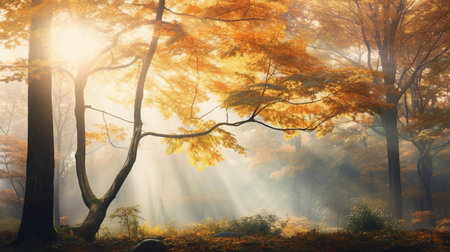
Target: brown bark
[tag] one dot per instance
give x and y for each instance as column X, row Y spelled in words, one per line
column 37, row 217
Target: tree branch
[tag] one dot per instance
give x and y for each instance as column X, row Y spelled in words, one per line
column 214, row 19
column 108, row 135
column 104, row 112
column 110, row 68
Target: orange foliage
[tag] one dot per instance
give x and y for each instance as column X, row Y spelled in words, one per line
column 109, row 132
column 423, row 217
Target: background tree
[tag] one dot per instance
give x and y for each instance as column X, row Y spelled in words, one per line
column 12, row 160
column 425, row 122
column 64, row 135
column 376, row 35
column 12, row 147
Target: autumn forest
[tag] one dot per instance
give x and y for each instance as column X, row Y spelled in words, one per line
column 233, row 125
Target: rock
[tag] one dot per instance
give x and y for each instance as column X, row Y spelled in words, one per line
column 226, row 234
column 150, row 245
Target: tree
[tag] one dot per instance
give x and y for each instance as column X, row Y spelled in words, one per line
column 425, row 120
column 12, row 148
column 12, row 159
column 263, row 77
column 398, row 38
column 37, row 217
column 64, row 139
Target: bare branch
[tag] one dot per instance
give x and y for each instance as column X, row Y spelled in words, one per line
column 108, row 135
column 11, row 113
column 110, row 68
column 234, row 124
column 71, row 76
column 104, row 112
column 214, row 19
column 437, row 149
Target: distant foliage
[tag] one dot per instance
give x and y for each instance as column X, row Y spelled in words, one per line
column 158, row 231
column 443, row 225
column 424, row 219
column 212, row 226
column 296, row 225
column 366, row 219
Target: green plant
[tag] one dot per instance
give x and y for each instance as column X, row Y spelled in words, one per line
column 364, row 218
column 128, row 217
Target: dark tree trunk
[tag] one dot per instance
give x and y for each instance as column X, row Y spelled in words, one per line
column 37, row 217
column 425, row 169
column 386, row 41
column 389, row 118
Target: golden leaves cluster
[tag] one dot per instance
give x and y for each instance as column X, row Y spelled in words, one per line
column 204, row 150
column 111, row 131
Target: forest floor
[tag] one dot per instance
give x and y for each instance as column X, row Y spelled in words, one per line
column 419, row 240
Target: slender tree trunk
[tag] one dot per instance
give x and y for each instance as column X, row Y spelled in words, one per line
column 59, row 165
column 390, row 117
column 98, row 207
column 56, row 208
column 37, row 217
column 336, row 208
column 425, row 169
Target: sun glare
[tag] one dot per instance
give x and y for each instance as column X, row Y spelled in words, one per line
column 73, row 44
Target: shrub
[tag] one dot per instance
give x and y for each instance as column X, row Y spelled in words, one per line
column 263, row 223
column 210, row 225
column 366, row 219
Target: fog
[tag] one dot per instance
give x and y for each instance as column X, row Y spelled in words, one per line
column 169, row 190
column 320, row 179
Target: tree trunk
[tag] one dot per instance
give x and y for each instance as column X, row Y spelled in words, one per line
column 389, row 118
column 57, row 213
column 425, row 169
column 92, row 222
column 386, row 41
column 98, row 207
column 37, row 217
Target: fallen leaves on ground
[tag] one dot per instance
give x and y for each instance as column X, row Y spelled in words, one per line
column 419, row 240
